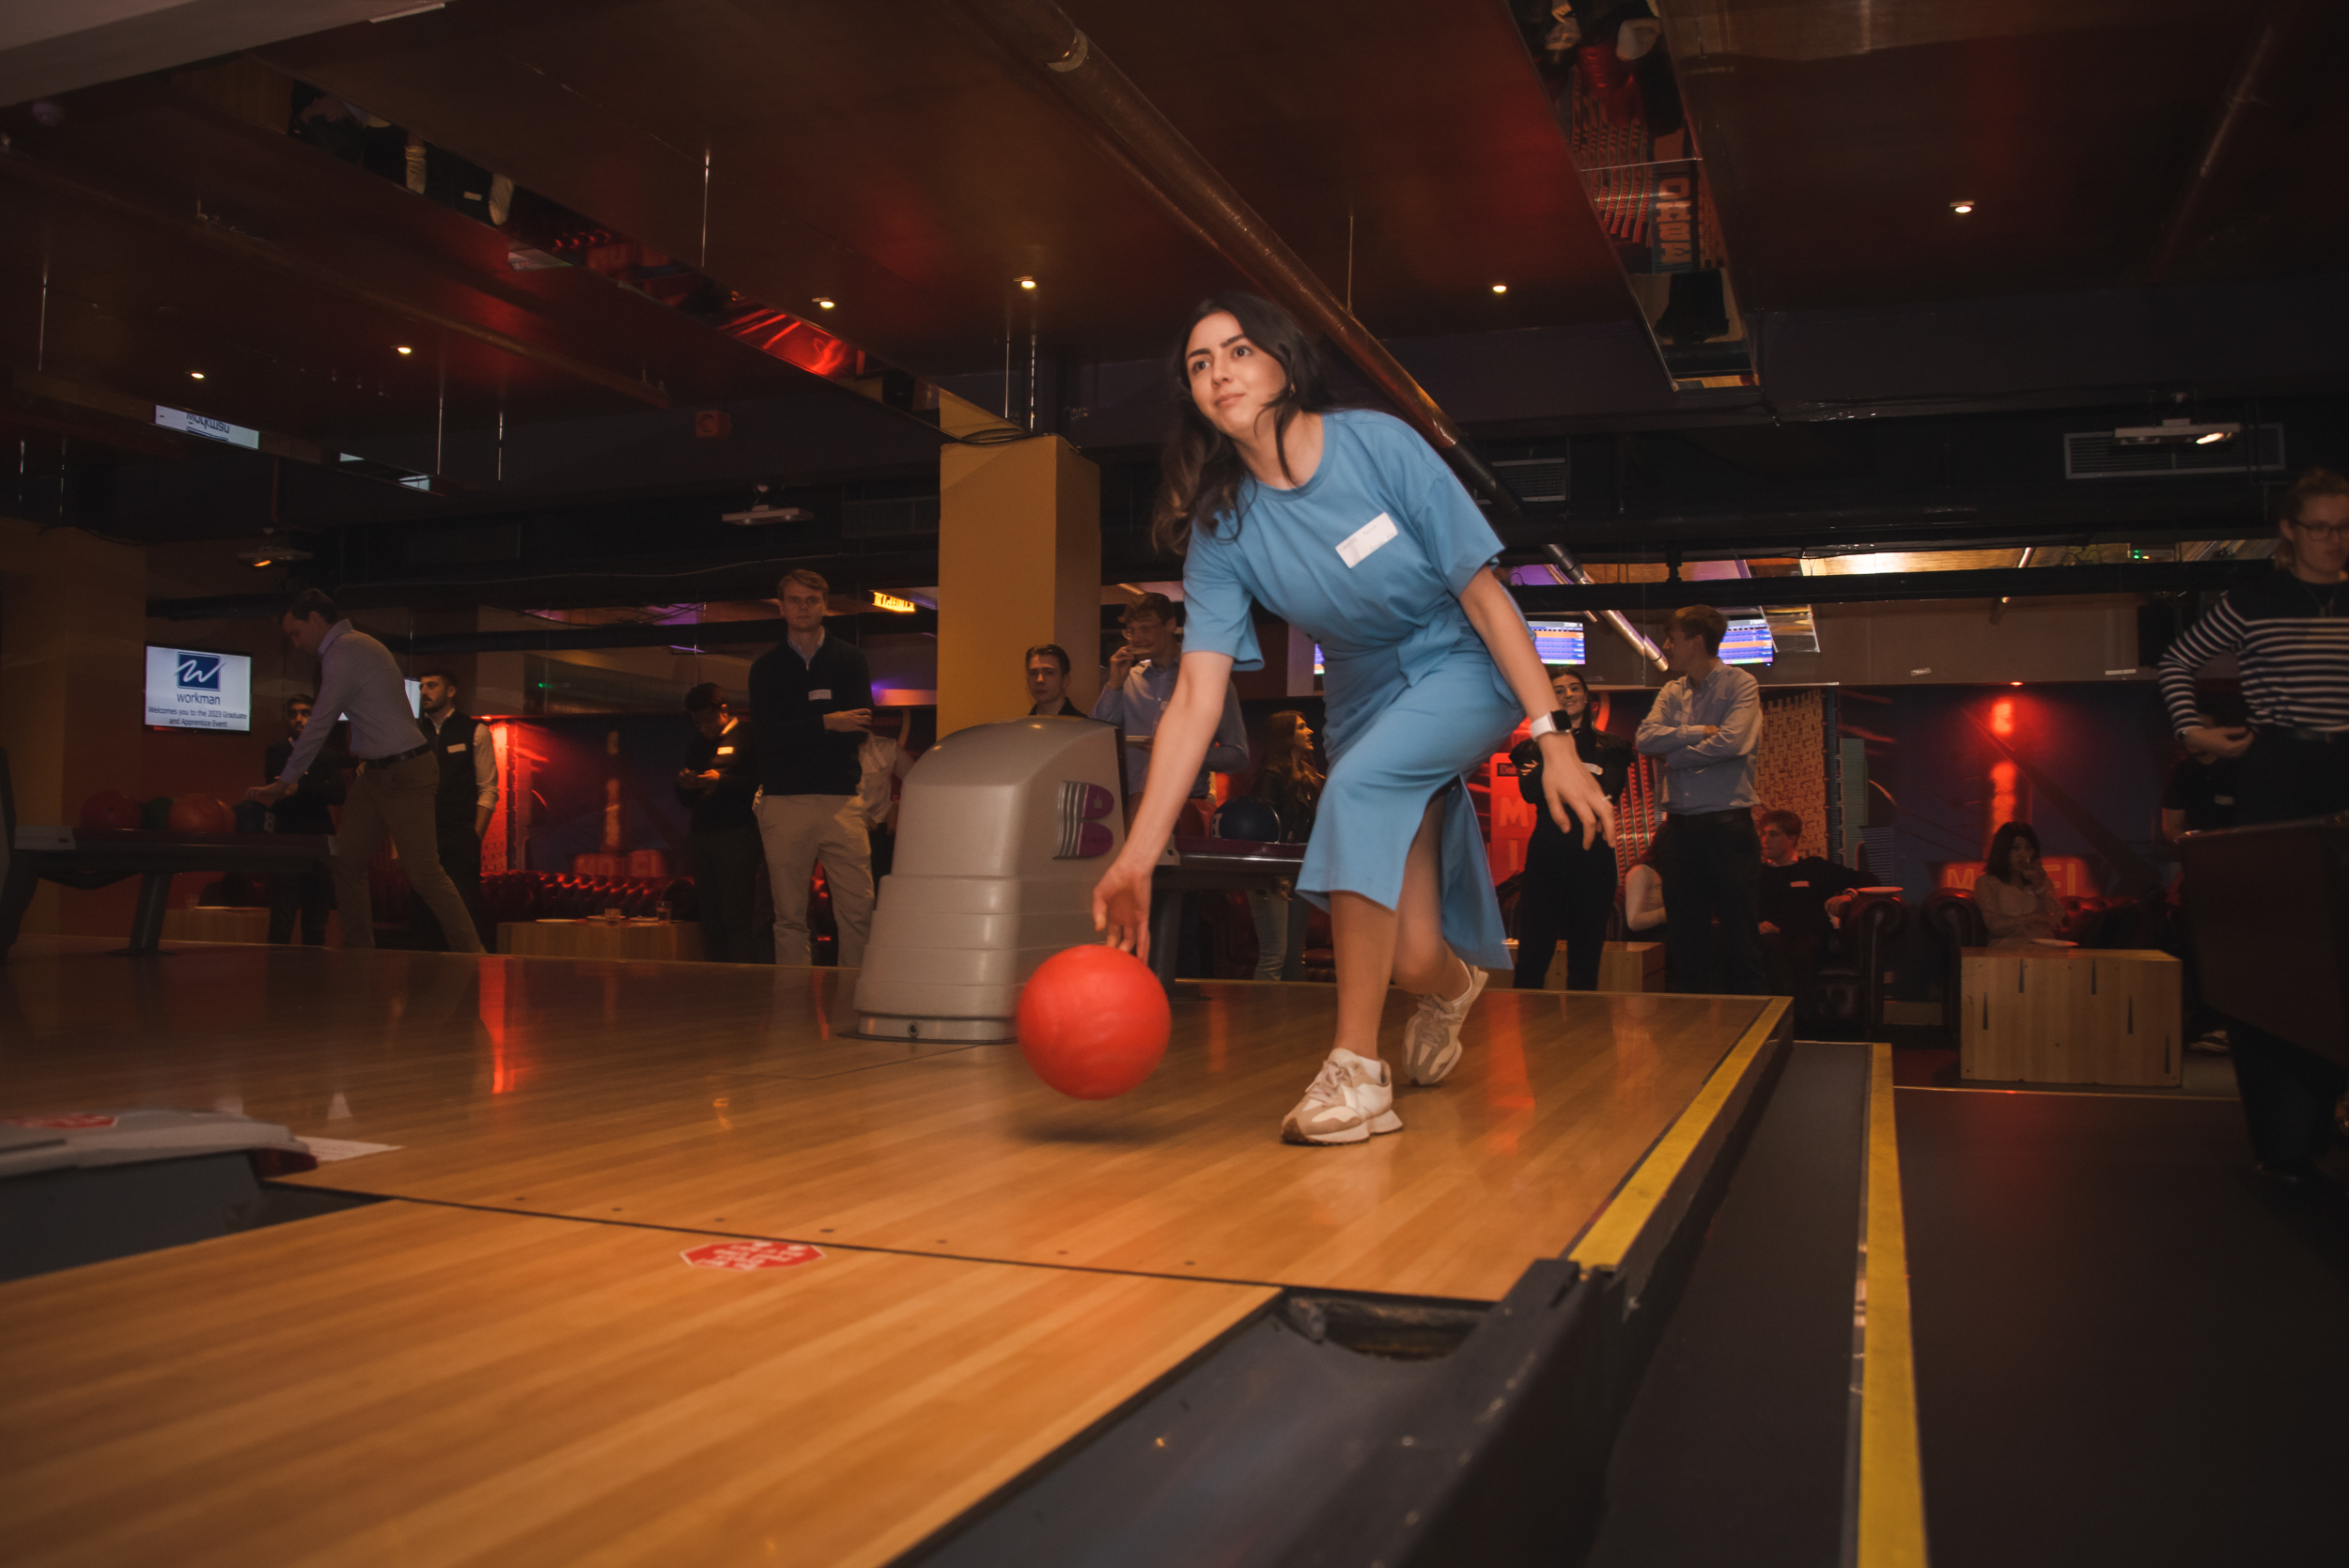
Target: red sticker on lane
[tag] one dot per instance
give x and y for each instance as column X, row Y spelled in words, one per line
column 72, row 1122
column 746, row 1255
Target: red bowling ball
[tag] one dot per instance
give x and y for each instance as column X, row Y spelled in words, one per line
column 109, row 810
column 199, row 814
column 1093, row 1022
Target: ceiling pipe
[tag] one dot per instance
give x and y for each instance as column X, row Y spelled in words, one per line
column 1566, row 571
column 2243, row 90
column 1994, row 582
column 1130, row 129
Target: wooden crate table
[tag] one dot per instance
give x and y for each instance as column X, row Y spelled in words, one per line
column 2070, row 1014
column 632, row 941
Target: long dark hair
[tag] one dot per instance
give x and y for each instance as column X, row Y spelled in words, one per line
column 1285, row 758
column 1201, row 470
column 1589, row 722
column 2001, row 858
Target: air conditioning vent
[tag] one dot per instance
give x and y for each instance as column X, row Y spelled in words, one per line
column 888, row 517
column 1535, row 481
column 2095, row 455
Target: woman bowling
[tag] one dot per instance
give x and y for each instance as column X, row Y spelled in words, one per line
column 1344, row 524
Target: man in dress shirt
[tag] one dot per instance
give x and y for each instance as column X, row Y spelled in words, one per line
column 397, row 777
column 1141, row 682
column 811, row 706
column 1706, row 725
column 461, row 810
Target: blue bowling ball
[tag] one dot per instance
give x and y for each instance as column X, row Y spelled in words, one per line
column 1250, row 821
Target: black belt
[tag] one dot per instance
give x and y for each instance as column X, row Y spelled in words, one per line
column 1710, row 815
column 395, row 756
column 2310, row 737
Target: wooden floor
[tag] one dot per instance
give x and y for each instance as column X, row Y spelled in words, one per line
column 510, row 1359
column 412, row 1384
column 721, row 1099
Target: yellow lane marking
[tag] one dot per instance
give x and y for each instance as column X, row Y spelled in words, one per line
column 1612, row 1237
column 1891, row 1524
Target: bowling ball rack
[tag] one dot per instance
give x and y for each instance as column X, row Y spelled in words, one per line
column 80, row 858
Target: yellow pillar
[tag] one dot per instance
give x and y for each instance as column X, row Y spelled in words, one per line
column 1018, row 564
column 72, row 676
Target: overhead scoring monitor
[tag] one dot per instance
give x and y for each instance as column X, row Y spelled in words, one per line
column 1748, row 641
column 1558, row 642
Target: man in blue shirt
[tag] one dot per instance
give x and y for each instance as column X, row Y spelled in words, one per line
column 1706, row 725
column 1142, row 681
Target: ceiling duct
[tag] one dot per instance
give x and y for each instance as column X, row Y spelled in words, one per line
column 2172, row 450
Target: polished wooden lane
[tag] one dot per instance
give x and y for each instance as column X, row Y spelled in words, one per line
column 414, row 1384
column 724, row 1099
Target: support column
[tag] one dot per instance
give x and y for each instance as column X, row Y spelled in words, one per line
column 73, row 684
column 1018, row 564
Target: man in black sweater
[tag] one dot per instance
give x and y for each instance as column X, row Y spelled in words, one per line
column 1797, row 897
column 308, row 892
column 811, row 706
column 718, row 783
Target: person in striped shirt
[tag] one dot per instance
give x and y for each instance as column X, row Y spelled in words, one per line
column 2290, row 636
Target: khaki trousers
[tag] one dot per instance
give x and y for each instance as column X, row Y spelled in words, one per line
column 797, row 831
column 397, row 801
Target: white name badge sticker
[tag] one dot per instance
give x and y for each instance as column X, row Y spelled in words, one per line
column 821, row 694
column 1365, row 541
column 725, row 750
column 458, row 747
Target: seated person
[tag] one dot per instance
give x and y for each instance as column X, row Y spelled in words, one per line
column 1643, row 898
column 2019, row 904
column 1800, row 898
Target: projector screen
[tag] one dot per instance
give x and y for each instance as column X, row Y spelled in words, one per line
column 189, row 690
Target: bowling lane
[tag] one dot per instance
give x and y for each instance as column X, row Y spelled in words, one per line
column 714, row 1099
column 406, row 1383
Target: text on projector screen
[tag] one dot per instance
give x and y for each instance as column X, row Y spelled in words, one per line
column 188, row 688
column 1554, row 642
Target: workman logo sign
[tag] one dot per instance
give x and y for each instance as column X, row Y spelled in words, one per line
column 188, row 689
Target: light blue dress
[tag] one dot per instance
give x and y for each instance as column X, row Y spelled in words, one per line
column 1368, row 557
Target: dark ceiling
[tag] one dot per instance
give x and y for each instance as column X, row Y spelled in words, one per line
column 1839, row 131
column 894, row 159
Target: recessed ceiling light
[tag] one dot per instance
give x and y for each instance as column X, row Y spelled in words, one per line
column 1027, row 283
column 1501, row 288
column 1961, row 208
column 823, row 303
column 195, row 375
column 403, row 349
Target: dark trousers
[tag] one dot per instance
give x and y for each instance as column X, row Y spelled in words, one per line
column 1567, row 894
column 461, row 857
column 1711, row 866
column 2288, row 1092
column 725, row 885
column 309, row 893
column 1790, row 959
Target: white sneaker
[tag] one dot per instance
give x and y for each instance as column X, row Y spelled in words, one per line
column 1431, row 1041
column 1351, row 1097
